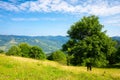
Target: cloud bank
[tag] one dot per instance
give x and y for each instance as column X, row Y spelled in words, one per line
column 95, row 7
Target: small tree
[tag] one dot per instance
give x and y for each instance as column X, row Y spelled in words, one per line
column 14, row 50
column 58, row 56
column 25, row 49
column 37, row 53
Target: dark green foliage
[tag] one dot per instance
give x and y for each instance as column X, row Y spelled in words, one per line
column 49, row 57
column 117, row 56
column 70, row 60
column 37, row 53
column 1, row 51
column 25, row 49
column 87, row 26
column 68, row 45
column 88, row 44
column 58, row 56
column 14, row 50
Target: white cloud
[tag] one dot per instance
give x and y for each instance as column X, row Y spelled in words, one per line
column 62, row 7
column 25, row 19
column 38, row 19
column 98, row 7
column 8, row 6
column 104, row 10
column 34, row 6
column 24, row 6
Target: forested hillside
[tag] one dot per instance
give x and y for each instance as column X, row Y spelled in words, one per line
column 117, row 38
column 47, row 43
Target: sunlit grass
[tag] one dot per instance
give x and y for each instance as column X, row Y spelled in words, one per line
column 18, row 68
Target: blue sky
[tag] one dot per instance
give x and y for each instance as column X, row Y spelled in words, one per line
column 54, row 17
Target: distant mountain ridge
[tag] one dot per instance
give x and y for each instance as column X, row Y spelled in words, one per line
column 117, row 38
column 47, row 43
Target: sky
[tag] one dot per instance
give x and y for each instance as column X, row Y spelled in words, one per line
column 55, row 17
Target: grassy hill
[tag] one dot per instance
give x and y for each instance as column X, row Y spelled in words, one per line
column 18, row 68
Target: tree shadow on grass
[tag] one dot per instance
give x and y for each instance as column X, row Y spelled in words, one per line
column 117, row 66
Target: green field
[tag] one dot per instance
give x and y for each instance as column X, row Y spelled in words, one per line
column 18, row 68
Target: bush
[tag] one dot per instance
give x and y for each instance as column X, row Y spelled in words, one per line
column 14, row 50
column 37, row 53
column 1, row 51
column 58, row 56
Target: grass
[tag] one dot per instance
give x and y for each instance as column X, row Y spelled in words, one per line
column 18, row 68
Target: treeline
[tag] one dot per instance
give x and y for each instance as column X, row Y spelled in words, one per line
column 26, row 50
column 60, row 56
column 35, row 52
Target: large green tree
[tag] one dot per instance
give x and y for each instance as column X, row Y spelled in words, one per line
column 88, row 44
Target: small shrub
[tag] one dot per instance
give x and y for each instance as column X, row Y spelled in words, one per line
column 14, row 50
column 1, row 51
column 58, row 56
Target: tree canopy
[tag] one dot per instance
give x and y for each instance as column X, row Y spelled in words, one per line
column 88, row 43
column 26, row 50
column 14, row 50
column 37, row 53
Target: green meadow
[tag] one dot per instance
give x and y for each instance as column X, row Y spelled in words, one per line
column 18, row 68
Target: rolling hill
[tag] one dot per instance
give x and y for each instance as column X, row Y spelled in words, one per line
column 18, row 68
column 47, row 43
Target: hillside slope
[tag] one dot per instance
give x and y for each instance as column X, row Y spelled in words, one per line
column 47, row 43
column 18, row 68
